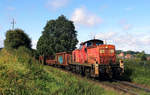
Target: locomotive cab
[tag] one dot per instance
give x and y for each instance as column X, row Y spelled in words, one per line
column 91, row 43
column 87, row 51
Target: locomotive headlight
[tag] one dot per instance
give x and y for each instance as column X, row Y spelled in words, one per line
column 102, row 51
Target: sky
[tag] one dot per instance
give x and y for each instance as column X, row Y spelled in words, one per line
column 123, row 23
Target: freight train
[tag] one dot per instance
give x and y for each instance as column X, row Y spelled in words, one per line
column 93, row 59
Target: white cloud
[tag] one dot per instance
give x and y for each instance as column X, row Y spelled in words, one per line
column 34, row 43
column 1, row 42
column 10, row 8
column 1, row 38
column 102, row 8
column 83, row 17
column 56, row 4
column 142, row 29
column 125, row 25
column 128, row 9
column 122, row 21
column 127, row 41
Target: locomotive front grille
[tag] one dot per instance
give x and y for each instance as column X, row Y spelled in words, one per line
column 107, row 55
column 106, row 59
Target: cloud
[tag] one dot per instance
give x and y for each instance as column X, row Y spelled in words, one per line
column 34, row 43
column 125, row 25
column 128, row 9
column 10, row 8
column 122, row 21
column 102, row 8
column 56, row 4
column 1, row 37
column 83, row 17
column 1, row 42
column 127, row 41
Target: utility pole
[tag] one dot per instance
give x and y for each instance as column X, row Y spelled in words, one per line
column 92, row 35
column 13, row 24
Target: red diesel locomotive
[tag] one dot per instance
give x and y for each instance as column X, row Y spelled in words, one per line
column 93, row 58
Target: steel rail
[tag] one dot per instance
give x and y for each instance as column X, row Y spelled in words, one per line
column 134, row 86
column 120, row 88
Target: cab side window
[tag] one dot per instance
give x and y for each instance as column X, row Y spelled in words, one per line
column 88, row 44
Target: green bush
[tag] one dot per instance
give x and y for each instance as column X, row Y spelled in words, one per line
column 16, row 38
column 137, row 71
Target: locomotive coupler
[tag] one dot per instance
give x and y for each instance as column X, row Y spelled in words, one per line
column 95, row 70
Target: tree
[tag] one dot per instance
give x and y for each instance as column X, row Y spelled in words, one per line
column 142, row 56
column 130, row 52
column 16, row 38
column 58, row 36
column 1, row 49
column 118, row 51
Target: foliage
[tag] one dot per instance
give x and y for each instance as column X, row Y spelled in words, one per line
column 16, row 38
column 58, row 36
column 127, row 52
column 131, row 52
column 142, row 56
column 118, row 51
column 137, row 71
column 21, row 75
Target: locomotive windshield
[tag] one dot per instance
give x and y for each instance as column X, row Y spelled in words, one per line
column 99, row 43
column 89, row 43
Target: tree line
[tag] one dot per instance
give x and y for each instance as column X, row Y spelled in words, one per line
column 141, row 55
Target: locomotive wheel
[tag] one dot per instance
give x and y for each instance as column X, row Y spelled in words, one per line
column 117, row 74
column 87, row 72
column 67, row 68
column 78, row 69
column 82, row 71
column 73, row 68
column 110, row 75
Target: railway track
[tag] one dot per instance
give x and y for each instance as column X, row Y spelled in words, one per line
column 123, row 86
column 120, row 88
column 126, row 87
column 133, row 85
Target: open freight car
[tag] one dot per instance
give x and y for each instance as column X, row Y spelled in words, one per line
column 93, row 58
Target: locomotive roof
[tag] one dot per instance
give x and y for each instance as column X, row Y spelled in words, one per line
column 93, row 40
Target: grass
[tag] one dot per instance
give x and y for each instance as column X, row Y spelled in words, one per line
column 137, row 71
column 20, row 74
